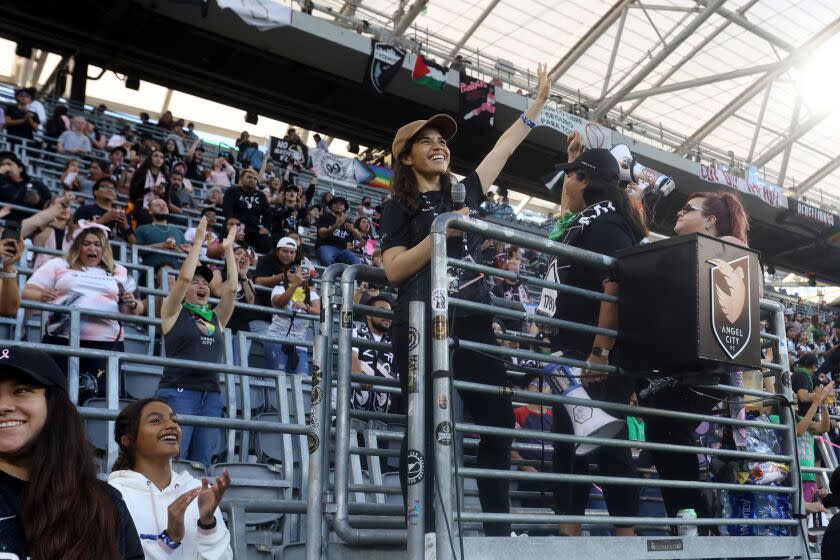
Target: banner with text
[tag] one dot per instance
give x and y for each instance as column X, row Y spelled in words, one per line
column 769, row 193
column 330, row 166
column 477, row 105
column 592, row 134
column 813, row 213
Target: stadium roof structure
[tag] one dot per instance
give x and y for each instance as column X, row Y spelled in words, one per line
column 738, row 82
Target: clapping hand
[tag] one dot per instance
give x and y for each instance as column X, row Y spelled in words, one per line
column 210, row 496
column 175, row 512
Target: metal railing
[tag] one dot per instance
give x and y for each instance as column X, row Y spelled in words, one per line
column 448, row 513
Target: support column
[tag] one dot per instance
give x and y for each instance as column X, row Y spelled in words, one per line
column 78, row 86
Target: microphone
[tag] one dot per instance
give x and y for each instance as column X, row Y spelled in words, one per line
column 459, row 195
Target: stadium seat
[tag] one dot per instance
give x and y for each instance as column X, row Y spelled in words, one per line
column 254, row 482
column 97, row 430
column 140, row 381
column 197, row 470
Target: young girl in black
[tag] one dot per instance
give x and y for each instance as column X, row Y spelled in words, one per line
column 422, row 183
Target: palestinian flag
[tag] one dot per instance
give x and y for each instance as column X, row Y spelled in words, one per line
column 429, row 74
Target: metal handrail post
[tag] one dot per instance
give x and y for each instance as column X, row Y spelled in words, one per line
column 415, row 430
column 73, row 366
column 442, row 393
column 318, row 439
column 112, row 395
column 230, row 392
column 341, row 520
column 786, row 416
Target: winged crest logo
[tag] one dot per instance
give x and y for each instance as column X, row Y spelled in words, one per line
column 730, row 295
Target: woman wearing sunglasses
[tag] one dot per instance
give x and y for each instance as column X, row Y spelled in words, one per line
column 719, row 215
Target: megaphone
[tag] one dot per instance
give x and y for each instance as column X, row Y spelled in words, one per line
column 587, row 421
column 634, row 172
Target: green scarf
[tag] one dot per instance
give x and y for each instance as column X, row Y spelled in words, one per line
column 202, row 311
column 561, row 225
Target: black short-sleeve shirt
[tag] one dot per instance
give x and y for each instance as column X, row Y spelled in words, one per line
column 401, row 227
column 605, row 234
column 801, row 379
column 339, row 237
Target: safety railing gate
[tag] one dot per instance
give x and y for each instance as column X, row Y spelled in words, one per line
column 449, row 497
column 330, row 508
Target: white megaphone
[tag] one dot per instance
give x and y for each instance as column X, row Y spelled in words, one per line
column 586, row 420
column 634, row 172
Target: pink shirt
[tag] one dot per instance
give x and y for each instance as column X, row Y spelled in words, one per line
column 89, row 288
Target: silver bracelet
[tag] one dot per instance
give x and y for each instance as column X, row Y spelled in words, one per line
column 8, row 274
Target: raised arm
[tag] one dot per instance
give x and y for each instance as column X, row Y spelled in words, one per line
column 171, row 306
column 42, row 219
column 224, row 309
column 493, row 163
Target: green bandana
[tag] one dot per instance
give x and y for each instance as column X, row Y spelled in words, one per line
column 561, row 225
column 202, row 311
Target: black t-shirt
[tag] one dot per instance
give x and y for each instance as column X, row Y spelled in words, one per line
column 339, row 237
column 801, row 379
column 92, row 211
column 28, row 192
column 284, row 218
column 831, row 540
column 597, row 231
column 13, row 540
column 268, row 265
column 403, row 228
column 193, row 338
column 249, row 207
column 195, row 170
column 23, row 130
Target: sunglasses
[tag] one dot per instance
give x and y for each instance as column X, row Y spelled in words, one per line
column 688, row 208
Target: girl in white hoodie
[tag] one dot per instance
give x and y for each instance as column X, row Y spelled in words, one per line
column 177, row 516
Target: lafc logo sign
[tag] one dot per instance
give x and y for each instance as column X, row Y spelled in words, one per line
column 730, row 287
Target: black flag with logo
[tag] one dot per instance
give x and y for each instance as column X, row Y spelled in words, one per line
column 384, row 63
column 477, row 103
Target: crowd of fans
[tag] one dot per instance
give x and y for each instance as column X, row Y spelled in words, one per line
column 273, row 233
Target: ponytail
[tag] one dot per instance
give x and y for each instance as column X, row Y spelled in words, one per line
column 123, row 463
column 730, row 217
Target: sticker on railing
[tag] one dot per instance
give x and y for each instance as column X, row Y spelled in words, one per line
column 412, row 373
column 439, row 327
column 313, row 422
column 415, row 512
column 439, row 300
column 313, row 442
column 316, row 374
column 664, row 545
column 442, row 402
column 316, row 395
column 443, row 433
column 346, row 319
column 413, row 338
column 416, row 466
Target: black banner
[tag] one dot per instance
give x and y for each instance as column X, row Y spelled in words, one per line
column 477, row 103
column 813, row 213
column 285, row 151
column 384, row 63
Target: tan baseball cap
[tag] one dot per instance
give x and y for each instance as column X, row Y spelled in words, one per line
column 444, row 123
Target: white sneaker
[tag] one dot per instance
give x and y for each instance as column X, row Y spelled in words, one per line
column 430, row 546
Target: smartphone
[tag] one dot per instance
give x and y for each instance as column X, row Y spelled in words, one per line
column 11, row 230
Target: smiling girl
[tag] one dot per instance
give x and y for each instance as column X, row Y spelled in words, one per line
column 177, row 516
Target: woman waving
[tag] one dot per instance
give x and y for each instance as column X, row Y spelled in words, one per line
column 194, row 331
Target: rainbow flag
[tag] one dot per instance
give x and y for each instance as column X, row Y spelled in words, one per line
column 372, row 175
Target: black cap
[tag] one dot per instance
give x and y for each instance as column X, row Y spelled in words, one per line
column 597, row 163
column 35, row 364
column 205, row 271
column 120, row 149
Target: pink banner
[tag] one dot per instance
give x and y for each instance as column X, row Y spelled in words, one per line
column 771, row 194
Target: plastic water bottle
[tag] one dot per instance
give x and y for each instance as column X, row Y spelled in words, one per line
column 687, row 530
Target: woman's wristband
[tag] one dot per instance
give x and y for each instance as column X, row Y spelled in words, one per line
column 8, row 274
column 528, row 122
column 167, row 540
